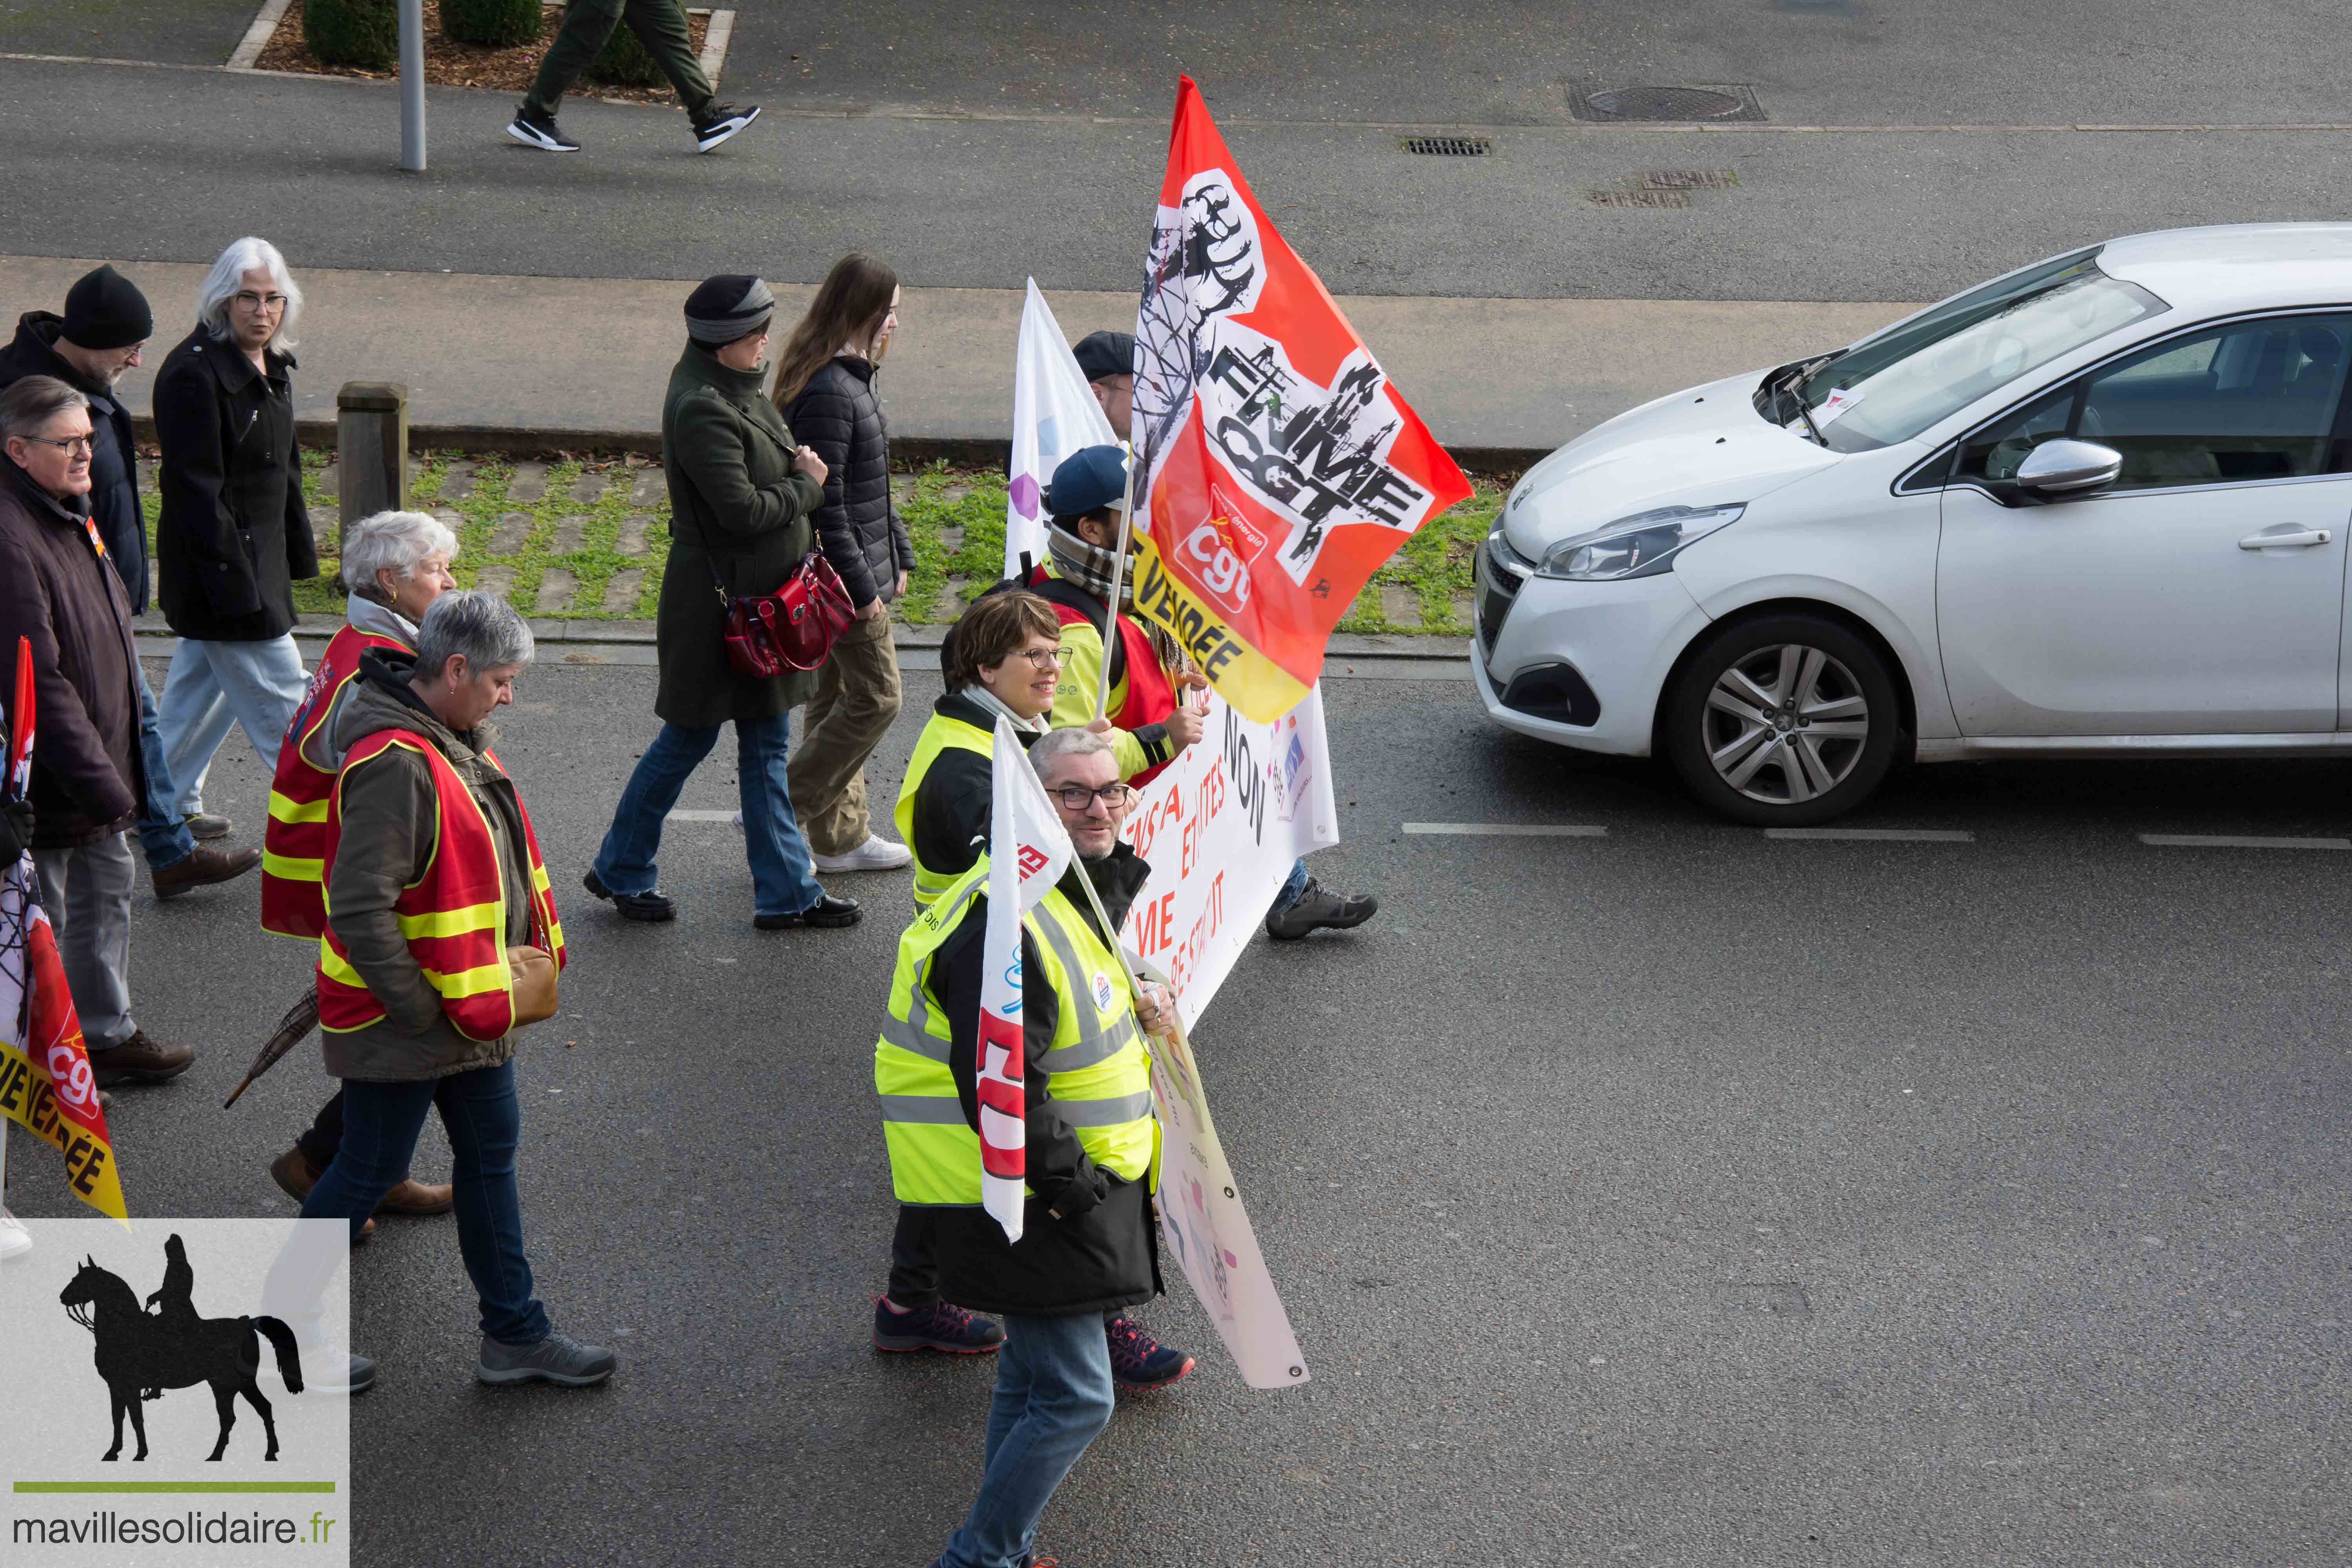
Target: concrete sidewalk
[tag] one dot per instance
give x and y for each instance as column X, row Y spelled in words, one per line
column 502, row 364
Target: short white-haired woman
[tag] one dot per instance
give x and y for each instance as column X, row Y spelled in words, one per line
column 396, row 564
column 234, row 534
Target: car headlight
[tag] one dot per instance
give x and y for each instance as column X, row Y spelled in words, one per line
column 1642, row 545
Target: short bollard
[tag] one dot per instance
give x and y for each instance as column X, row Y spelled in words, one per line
column 372, row 449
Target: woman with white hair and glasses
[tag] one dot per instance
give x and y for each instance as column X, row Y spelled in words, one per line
column 234, row 533
column 396, row 564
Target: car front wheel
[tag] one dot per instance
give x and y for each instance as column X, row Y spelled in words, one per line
column 1783, row 721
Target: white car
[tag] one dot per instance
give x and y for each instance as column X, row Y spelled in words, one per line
column 2093, row 508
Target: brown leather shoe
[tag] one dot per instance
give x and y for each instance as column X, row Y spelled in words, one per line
column 294, row 1174
column 203, row 866
column 413, row 1196
column 142, row 1058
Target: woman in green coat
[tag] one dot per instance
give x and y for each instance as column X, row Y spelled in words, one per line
column 741, row 496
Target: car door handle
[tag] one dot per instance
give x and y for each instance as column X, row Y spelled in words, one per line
column 2287, row 538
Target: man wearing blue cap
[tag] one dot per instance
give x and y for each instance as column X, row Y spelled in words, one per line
column 1149, row 700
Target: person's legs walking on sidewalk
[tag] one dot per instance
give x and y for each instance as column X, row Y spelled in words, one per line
column 661, row 27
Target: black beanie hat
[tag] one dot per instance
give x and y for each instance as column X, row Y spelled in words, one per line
column 104, row 310
column 730, row 306
column 1105, row 354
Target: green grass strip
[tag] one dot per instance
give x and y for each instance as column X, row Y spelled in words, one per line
column 175, row 1486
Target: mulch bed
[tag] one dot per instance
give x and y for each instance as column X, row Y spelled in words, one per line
column 448, row 64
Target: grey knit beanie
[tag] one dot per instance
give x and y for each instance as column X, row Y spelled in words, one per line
column 730, row 306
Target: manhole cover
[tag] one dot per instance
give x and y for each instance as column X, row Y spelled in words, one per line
column 1665, row 103
column 1447, row 146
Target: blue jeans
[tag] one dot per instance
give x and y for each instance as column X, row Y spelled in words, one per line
column 1053, row 1395
column 380, row 1121
column 162, row 835
column 783, row 877
column 1291, row 891
column 212, row 685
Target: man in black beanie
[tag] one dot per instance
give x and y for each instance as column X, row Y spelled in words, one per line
column 1108, row 361
column 106, row 324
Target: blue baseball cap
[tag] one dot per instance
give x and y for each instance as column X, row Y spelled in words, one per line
column 1094, row 477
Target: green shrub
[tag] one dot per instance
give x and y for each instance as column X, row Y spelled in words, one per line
column 362, row 33
column 497, row 23
column 624, row 62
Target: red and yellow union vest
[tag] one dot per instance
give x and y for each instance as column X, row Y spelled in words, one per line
column 294, row 842
column 1141, row 693
column 455, row 916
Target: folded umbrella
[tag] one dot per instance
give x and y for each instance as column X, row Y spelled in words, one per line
column 292, row 1029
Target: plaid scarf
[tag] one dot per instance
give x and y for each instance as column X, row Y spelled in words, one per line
column 1089, row 566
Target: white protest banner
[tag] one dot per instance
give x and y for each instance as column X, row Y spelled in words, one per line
column 1054, row 415
column 1221, row 827
column 1202, row 1215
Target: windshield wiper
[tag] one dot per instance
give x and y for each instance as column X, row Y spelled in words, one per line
column 1788, row 385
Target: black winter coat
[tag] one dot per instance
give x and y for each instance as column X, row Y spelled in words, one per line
column 1103, row 1252
column 234, row 534
column 56, row 592
column 113, row 476
column 838, row 416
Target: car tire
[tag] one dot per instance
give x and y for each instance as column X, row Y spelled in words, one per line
column 1783, row 721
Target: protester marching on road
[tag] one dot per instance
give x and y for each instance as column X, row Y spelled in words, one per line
column 660, row 26
column 394, row 566
column 105, row 327
column 57, row 592
column 824, row 389
column 1151, row 721
column 421, row 983
column 235, row 533
column 1088, row 1245
column 741, row 495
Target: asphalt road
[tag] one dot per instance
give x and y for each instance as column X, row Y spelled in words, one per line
column 2034, row 1142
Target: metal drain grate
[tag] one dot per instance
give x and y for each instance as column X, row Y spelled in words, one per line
column 1682, row 104
column 1640, row 198
column 1690, row 180
column 1448, row 146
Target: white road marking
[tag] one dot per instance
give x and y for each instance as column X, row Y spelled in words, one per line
column 1893, row 835
column 2237, row 841
column 1510, row 830
column 702, row 816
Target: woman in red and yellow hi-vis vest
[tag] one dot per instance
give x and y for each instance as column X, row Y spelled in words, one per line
column 441, row 940
column 395, row 565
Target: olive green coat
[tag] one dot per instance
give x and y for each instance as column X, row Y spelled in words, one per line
column 735, row 504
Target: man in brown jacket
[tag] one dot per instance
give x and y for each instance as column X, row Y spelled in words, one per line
column 58, row 592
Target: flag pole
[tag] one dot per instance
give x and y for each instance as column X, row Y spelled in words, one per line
column 1110, row 627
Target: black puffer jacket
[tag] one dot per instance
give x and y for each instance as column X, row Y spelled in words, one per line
column 113, row 478
column 235, row 533
column 838, row 416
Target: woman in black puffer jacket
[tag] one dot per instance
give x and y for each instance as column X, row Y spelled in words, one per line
column 825, row 386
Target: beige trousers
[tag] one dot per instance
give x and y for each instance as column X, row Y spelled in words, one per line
column 858, row 696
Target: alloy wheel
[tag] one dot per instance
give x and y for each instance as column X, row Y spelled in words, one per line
column 1785, row 723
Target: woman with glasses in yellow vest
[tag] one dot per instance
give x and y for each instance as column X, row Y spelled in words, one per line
column 395, row 565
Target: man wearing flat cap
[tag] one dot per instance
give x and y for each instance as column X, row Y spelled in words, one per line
column 1108, row 362
column 106, row 324
column 741, row 495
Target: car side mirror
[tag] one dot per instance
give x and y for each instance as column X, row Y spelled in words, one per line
column 2064, row 469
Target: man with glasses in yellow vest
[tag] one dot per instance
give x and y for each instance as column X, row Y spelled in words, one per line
column 1088, row 1249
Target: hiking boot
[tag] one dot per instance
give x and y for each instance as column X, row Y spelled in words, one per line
column 200, row 868
column 877, row 854
column 652, row 906
column 555, row 1359
column 1138, row 1360
column 538, row 131
column 140, row 1059
column 717, row 122
column 830, row 913
column 938, row 1327
column 204, row 825
column 415, row 1198
column 1319, row 906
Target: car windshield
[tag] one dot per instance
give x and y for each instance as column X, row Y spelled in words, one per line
column 1896, row 385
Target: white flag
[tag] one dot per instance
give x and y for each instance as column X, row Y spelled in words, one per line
column 1028, row 851
column 1054, row 415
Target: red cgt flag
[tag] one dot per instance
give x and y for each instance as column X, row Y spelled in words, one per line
column 1277, row 467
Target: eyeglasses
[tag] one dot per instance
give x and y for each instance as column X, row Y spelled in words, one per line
column 1044, row 657
column 69, row 446
column 1074, row 797
column 253, row 301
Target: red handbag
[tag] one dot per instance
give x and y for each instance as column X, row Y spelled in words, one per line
column 791, row 628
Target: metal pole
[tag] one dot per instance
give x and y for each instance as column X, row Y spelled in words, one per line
column 411, row 85
column 1117, row 570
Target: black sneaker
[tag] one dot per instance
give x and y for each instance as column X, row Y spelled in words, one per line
column 717, row 122
column 538, row 131
column 1319, row 906
column 829, row 912
column 652, row 906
